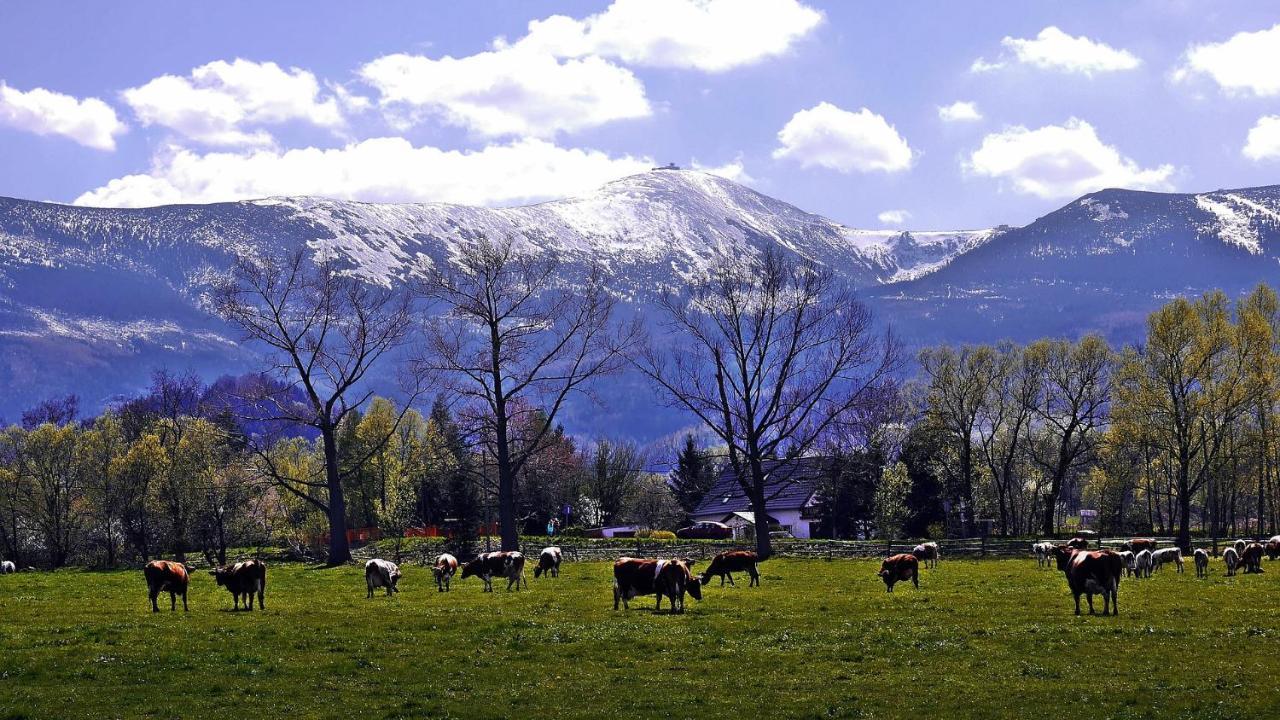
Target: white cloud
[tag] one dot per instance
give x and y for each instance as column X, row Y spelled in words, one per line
column 90, row 122
column 228, row 103
column 830, row 137
column 1264, row 139
column 1054, row 49
column 894, row 217
column 959, row 111
column 381, row 169
column 707, row 35
column 512, row 91
column 1247, row 63
column 735, row 170
column 1058, row 161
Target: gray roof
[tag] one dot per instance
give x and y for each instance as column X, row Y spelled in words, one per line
column 790, row 485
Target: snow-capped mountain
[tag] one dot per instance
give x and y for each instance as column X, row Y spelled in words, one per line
column 92, row 300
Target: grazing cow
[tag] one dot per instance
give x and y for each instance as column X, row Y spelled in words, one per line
column 381, row 574
column 1043, row 551
column 1273, row 547
column 1137, row 545
column 1232, row 560
column 1130, row 563
column 1251, row 558
column 1142, row 564
column 731, row 561
column 1202, row 562
column 1092, row 573
column 903, row 566
column 671, row 578
column 508, row 564
column 244, row 578
column 927, row 553
column 446, row 565
column 170, row 577
column 7, row 567
column 1078, row 543
column 1240, row 545
column 1167, row 555
column 549, row 562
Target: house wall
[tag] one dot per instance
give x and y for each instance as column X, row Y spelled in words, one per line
column 789, row 519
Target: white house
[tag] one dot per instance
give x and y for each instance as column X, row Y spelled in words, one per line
column 791, row 498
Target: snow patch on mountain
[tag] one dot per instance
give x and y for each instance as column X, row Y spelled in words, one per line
column 1238, row 220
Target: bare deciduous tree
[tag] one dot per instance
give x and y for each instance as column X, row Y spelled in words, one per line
column 325, row 330
column 770, row 354
column 509, row 344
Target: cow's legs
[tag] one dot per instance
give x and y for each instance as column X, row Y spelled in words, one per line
column 154, row 593
column 173, row 601
column 730, row 576
column 1077, row 603
column 915, row 578
column 1090, row 597
column 755, row 575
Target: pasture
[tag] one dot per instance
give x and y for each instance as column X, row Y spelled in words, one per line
column 980, row 638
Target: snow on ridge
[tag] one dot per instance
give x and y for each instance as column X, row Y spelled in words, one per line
column 1103, row 212
column 1237, row 220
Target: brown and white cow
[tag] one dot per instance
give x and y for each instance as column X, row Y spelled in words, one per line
column 381, row 574
column 668, row 577
column 1092, row 573
column 170, row 577
column 1251, row 558
column 903, row 566
column 1273, row 548
column 1137, row 545
column 549, row 562
column 444, row 569
column 1078, row 543
column 927, row 553
column 732, row 561
column 243, row 578
column 508, row 564
column 1202, row 562
column 1232, row 560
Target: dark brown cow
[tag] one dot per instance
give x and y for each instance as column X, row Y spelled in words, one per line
column 903, row 566
column 1273, row 548
column 244, row 578
column 1092, row 573
column 1078, row 543
column 647, row 576
column 1251, row 558
column 508, row 564
column 732, row 561
column 1137, row 545
column 167, row 576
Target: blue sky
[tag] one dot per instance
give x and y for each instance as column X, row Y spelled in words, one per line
column 836, row 107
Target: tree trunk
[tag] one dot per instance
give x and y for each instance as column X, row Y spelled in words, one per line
column 764, row 544
column 339, row 548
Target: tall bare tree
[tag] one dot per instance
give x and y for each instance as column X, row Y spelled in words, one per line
column 511, row 343
column 325, row 331
column 770, row 354
column 961, row 381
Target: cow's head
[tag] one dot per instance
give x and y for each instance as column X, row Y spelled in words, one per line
column 694, row 586
column 1062, row 554
column 219, row 575
column 473, row 568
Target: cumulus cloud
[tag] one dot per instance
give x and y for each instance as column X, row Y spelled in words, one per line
column 959, row 111
column 1058, row 161
column 707, row 35
column 894, row 217
column 511, row 91
column 90, row 122
column 734, row 170
column 228, row 103
column 382, row 169
column 1246, row 64
column 1264, row 139
column 1054, row 49
column 827, row 136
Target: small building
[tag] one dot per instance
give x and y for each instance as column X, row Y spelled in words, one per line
column 791, row 498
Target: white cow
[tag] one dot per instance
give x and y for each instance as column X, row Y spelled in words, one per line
column 1130, row 565
column 1202, row 562
column 381, row 573
column 1142, row 564
column 1232, row 559
column 1167, row 555
column 927, row 553
column 1044, row 553
column 7, row 567
column 549, row 562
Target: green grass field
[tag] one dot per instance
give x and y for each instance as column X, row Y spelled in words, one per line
column 985, row 639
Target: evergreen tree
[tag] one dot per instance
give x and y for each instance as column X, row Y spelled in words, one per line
column 693, row 476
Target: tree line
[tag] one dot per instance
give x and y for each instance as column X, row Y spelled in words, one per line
column 773, row 357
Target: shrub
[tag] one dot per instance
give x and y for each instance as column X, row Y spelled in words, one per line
column 660, row 535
